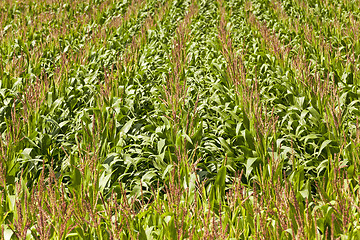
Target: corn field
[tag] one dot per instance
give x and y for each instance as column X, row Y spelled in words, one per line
column 179, row 119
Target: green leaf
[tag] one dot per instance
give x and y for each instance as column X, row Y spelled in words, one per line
column 148, row 176
column 76, row 177
column 104, row 180
column 168, row 169
column 249, row 166
column 160, row 145
column 26, row 153
column 248, row 138
column 220, row 181
column 125, row 129
column 324, row 145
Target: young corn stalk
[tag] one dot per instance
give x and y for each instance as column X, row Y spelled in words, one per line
column 176, row 89
column 262, row 122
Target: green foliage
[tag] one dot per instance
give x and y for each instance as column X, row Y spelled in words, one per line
column 181, row 119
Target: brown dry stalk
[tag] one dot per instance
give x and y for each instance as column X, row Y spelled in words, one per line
column 175, row 90
column 276, row 201
column 15, row 66
column 344, row 29
column 335, row 112
column 279, row 10
column 293, row 23
column 22, row 220
column 15, row 128
column 114, row 213
column 175, row 97
column 101, row 32
column 130, row 11
column 352, row 26
column 40, row 18
column 59, row 209
column 18, row 64
column 264, row 124
column 34, row 95
column 131, row 53
column 270, row 40
column 38, row 208
column 235, row 67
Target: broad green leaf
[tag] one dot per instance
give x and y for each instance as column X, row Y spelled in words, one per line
column 249, row 166
column 324, row 145
column 160, row 145
column 125, row 129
